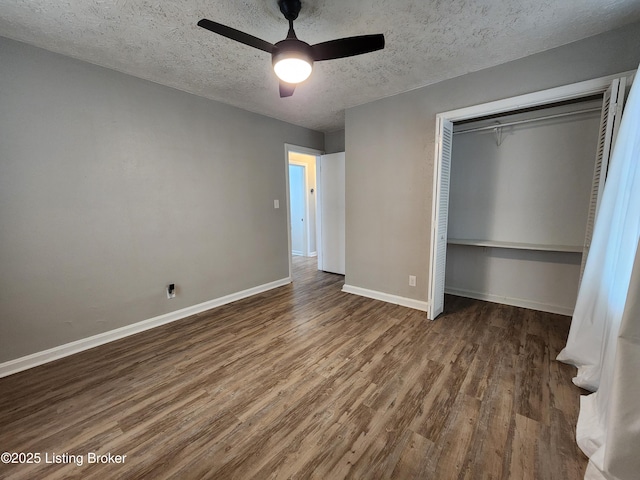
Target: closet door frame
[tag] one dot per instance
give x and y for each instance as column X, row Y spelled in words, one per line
column 437, row 265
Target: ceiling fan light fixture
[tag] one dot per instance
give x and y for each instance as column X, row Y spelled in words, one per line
column 292, row 70
column 292, row 61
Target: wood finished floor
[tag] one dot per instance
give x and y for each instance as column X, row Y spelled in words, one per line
column 303, row 382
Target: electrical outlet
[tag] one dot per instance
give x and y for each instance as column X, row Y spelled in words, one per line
column 412, row 280
column 276, row 204
column 171, row 290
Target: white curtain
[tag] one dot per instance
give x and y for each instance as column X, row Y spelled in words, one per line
column 604, row 339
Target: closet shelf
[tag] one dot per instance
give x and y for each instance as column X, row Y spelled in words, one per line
column 515, row 245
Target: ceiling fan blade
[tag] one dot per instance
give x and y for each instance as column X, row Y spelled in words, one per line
column 286, row 89
column 236, row 35
column 347, row 47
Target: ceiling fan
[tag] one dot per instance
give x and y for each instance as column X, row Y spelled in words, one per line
column 293, row 59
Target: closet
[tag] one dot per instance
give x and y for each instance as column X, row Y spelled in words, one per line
column 518, row 203
column 515, row 196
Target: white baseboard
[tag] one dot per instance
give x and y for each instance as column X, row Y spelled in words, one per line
column 39, row 358
column 313, row 254
column 516, row 302
column 387, row 297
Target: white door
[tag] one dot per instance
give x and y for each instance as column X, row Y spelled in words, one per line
column 440, row 218
column 297, row 207
column 331, row 199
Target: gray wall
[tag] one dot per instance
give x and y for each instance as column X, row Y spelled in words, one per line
column 111, row 187
column 334, row 142
column 390, row 147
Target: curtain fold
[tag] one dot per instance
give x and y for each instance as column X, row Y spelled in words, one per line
column 622, row 455
column 609, row 422
column 604, row 339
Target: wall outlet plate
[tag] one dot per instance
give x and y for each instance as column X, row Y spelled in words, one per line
column 412, row 280
column 171, row 290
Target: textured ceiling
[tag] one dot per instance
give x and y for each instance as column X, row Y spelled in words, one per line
column 427, row 41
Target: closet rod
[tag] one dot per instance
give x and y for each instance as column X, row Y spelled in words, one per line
column 518, row 122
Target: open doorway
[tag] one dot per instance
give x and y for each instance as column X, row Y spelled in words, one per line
column 303, row 221
column 316, row 230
